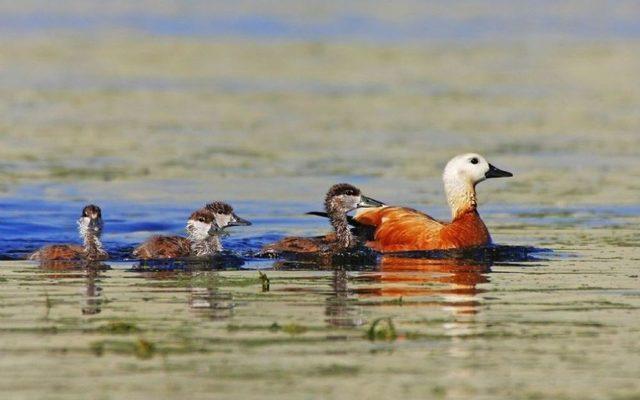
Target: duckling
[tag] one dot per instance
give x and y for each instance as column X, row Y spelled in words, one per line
column 406, row 229
column 340, row 199
column 203, row 228
column 90, row 229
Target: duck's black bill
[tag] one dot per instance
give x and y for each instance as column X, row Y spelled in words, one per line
column 369, row 202
column 497, row 173
column 237, row 221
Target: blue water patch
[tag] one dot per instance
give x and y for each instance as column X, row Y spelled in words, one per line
column 417, row 27
column 28, row 224
column 29, row 220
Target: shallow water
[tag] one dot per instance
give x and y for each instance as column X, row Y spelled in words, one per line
column 151, row 110
column 565, row 327
column 560, row 323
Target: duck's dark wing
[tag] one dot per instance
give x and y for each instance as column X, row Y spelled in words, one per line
column 362, row 231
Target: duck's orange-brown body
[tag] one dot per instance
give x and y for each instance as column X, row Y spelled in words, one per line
column 59, row 252
column 406, row 229
column 163, row 247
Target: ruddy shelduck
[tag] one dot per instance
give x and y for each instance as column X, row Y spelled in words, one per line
column 340, row 199
column 90, row 229
column 406, row 229
column 203, row 227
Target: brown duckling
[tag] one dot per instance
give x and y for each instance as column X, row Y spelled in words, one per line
column 90, row 228
column 204, row 227
column 340, row 199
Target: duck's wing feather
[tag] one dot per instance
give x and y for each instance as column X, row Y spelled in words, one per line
column 297, row 244
column 58, row 252
column 163, row 247
column 401, row 229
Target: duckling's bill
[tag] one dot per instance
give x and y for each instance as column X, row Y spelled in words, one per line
column 368, row 202
column 237, row 221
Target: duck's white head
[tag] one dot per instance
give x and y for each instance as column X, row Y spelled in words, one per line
column 462, row 174
column 471, row 169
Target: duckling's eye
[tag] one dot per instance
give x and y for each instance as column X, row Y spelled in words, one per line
column 201, row 219
column 474, row 160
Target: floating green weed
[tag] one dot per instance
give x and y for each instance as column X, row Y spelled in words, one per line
column 382, row 329
column 48, row 304
column 140, row 348
column 337, row 370
column 439, row 391
column 264, row 280
column 118, row 328
column 144, row 349
column 275, row 327
column 97, row 348
column 294, row 329
column 291, row 329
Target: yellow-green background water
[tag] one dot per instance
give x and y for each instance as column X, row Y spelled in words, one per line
column 153, row 108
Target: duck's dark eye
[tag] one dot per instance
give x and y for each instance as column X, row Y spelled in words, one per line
column 201, row 219
column 474, row 160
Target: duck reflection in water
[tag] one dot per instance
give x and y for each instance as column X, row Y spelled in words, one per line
column 91, row 271
column 448, row 283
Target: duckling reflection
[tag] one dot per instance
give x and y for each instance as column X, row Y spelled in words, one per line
column 92, row 293
column 91, row 271
column 206, row 300
column 341, row 311
column 202, row 286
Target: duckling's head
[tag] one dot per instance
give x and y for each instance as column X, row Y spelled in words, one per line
column 470, row 169
column 201, row 224
column 343, row 197
column 211, row 219
column 224, row 215
column 91, row 220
